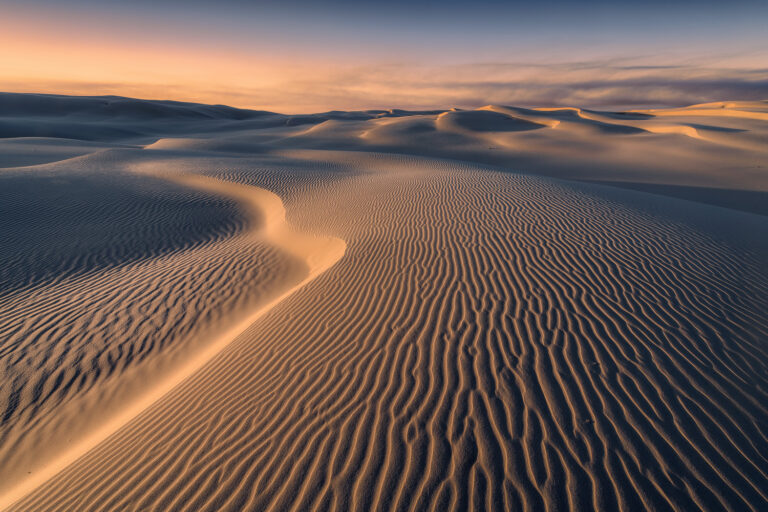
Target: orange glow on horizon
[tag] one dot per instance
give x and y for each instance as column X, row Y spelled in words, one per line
column 81, row 57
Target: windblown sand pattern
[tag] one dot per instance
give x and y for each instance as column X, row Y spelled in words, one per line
column 418, row 333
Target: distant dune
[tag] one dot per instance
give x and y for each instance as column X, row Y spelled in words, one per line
column 207, row 308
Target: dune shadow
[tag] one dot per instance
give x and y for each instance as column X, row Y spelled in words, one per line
column 56, row 225
column 489, row 121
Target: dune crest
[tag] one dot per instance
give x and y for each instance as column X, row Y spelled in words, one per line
column 740, row 109
column 319, row 253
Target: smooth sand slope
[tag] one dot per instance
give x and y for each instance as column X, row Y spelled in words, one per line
column 334, row 312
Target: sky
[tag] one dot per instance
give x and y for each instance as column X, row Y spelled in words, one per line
column 298, row 56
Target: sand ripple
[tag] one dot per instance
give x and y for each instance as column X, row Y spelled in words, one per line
column 488, row 341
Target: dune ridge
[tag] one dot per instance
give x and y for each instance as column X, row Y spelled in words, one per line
column 266, row 211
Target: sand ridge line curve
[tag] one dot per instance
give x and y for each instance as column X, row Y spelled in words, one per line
column 319, row 253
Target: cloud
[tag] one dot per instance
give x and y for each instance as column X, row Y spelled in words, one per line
column 598, row 84
column 594, row 84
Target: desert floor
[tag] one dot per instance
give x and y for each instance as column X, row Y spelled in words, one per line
column 206, row 308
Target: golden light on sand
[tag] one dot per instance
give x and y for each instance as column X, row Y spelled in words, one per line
column 337, row 255
column 244, row 298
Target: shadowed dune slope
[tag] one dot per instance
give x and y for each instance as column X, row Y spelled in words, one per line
column 483, row 121
column 31, row 105
column 25, row 151
column 489, row 341
column 63, row 220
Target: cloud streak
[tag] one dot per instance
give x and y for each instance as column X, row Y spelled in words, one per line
column 596, row 84
column 304, row 56
column 587, row 85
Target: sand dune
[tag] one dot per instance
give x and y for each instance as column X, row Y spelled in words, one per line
column 25, row 151
column 483, row 121
column 739, row 109
column 369, row 311
column 111, row 324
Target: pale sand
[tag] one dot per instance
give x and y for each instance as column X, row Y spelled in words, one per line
column 432, row 326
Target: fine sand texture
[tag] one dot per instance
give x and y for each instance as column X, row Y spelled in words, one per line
column 205, row 308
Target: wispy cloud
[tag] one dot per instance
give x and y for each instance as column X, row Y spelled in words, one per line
column 605, row 84
column 583, row 84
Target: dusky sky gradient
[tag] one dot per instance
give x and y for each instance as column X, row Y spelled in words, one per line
column 299, row 56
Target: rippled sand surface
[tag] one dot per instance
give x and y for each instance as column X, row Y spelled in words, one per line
column 496, row 309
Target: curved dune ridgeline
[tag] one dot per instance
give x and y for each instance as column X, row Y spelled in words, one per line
column 390, row 311
column 104, row 347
